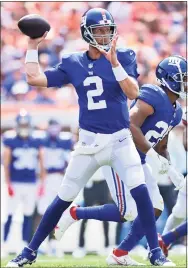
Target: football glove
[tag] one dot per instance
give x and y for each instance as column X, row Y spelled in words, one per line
column 162, row 164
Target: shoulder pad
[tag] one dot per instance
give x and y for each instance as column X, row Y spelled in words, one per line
column 10, row 134
column 127, row 55
column 38, row 134
column 65, row 136
column 68, row 55
column 152, row 95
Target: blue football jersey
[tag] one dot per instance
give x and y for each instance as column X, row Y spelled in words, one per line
column 24, row 161
column 57, row 152
column 103, row 105
column 165, row 116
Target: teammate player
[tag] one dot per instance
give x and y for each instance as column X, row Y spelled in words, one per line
column 104, row 78
column 173, row 230
column 153, row 114
column 22, row 153
column 57, row 147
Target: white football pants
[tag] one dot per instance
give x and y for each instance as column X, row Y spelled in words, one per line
column 96, row 150
column 122, row 196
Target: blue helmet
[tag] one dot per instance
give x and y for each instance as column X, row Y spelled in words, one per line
column 23, row 123
column 172, row 74
column 97, row 17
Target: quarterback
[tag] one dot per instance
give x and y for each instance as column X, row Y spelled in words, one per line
column 104, row 77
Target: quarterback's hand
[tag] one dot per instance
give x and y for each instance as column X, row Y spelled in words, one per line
column 10, row 190
column 161, row 163
column 176, row 177
column 111, row 55
column 33, row 43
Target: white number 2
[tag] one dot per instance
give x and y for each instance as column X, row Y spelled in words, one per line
column 163, row 127
column 94, row 93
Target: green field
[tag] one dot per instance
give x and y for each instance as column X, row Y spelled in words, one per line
column 88, row 261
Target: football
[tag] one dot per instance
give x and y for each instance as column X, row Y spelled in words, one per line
column 33, row 25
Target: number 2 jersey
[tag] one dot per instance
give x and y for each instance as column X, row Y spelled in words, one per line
column 24, row 158
column 165, row 117
column 103, row 105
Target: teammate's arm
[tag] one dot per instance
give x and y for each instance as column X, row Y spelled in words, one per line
column 161, row 148
column 7, row 156
column 138, row 114
column 34, row 74
column 126, row 82
column 41, row 163
column 42, row 174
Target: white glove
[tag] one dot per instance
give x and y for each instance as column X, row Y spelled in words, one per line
column 176, row 177
column 161, row 163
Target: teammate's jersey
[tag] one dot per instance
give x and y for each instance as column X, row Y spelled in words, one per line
column 57, row 152
column 24, row 161
column 103, row 105
column 164, row 118
column 184, row 117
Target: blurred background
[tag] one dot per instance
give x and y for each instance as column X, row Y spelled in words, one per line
column 153, row 29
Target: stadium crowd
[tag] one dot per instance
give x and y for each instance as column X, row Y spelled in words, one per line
column 154, row 30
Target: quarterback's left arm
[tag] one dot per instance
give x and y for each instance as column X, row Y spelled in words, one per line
column 176, row 177
column 126, row 82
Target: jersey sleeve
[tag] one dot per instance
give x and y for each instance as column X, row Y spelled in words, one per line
column 127, row 59
column 57, row 76
column 8, row 139
column 70, row 144
column 150, row 95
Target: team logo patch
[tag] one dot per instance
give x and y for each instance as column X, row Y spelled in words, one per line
column 174, row 61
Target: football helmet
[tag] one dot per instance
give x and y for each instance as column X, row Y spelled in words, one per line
column 54, row 128
column 23, row 123
column 172, row 74
column 95, row 18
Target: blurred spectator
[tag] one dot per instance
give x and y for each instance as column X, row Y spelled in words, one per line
column 44, row 96
column 19, row 91
column 154, row 30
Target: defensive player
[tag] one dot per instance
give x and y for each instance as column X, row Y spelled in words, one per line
column 153, row 114
column 179, row 210
column 21, row 155
column 103, row 78
column 57, row 147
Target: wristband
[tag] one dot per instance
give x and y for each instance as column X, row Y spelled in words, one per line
column 31, row 56
column 119, row 73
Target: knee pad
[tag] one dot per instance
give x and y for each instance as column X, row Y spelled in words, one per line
column 69, row 189
column 134, row 176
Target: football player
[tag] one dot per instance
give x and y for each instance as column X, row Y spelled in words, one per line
column 103, row 78
column 21, row 155
column 179, row 210
column 57, row 148
column 153, row 114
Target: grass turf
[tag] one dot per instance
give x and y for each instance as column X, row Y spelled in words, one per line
column 88, row 261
